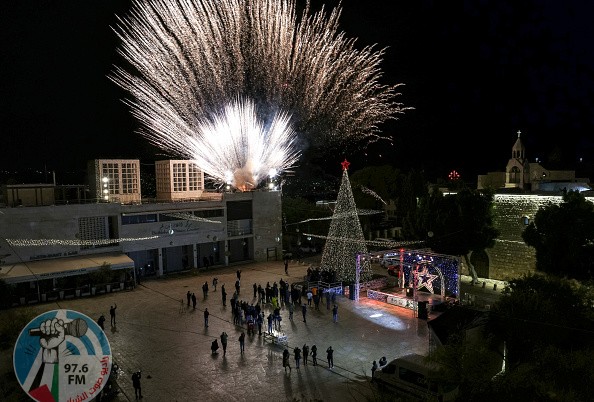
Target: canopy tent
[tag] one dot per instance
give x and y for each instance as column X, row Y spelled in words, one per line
column 62, row 267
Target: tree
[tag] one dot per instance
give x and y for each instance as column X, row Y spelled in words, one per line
column 455, row 224
column 563, row 237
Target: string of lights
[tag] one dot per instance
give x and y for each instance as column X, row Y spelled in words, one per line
column 190, row 217
column 77, row 242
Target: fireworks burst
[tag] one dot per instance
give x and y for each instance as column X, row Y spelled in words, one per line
column 190, row 59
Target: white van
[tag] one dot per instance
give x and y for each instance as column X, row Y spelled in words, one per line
column 411, row 375
column 390, row 259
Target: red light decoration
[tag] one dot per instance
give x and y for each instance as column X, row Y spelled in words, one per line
column 454, row 175
column 345, row 164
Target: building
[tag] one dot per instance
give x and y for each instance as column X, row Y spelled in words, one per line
column 45, row 249
column 115, row 180
column 520, row 192
column 522, row 175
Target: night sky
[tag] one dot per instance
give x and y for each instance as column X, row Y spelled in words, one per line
column 475, row 72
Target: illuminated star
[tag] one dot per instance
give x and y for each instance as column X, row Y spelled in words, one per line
column 345, row 164
column 426, row 279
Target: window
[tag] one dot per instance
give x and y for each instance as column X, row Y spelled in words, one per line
column 195, row 178
column 129, row 178
column 179, row 177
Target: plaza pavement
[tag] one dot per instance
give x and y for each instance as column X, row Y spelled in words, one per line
column 157, row 334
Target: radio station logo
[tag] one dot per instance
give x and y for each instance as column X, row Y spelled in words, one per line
column 62, row 356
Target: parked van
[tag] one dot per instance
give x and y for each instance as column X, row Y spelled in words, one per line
column 410, row 375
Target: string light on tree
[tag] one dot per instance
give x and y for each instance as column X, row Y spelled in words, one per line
column 345, row 239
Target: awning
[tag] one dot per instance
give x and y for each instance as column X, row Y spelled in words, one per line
column 61, row 267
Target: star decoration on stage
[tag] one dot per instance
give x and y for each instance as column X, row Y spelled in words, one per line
column 425, row 279
column 345, row 164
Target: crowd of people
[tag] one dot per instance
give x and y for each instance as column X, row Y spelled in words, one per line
column 263, row 312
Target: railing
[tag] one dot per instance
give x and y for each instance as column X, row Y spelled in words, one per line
column 70, row 293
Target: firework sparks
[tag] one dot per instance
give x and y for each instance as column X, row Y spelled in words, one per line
column 190, row 59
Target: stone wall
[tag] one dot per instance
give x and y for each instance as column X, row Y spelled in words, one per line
column 511, row 257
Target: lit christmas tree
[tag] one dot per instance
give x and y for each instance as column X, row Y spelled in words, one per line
column 345, row 238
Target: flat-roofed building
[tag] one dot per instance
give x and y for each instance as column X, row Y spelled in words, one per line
column 115, row 180
column 178, row 180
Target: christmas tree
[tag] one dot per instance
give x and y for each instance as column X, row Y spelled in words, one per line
column 345, row 238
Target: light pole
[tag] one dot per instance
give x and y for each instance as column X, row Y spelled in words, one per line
column 105, row 181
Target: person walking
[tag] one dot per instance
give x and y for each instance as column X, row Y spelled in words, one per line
column 305, row 350
column 297, row 353
column 206, row 314
column 304, row 312
column 112, row 314
column 136, row 383
column 237, row 286
column 255, row 290
column 286, row 266
column 335, row 313
column 242, row 342
column 194, row 301
column 291, row 310
column 328, row 299
column 101, row 322
column 314, row 355
column 205, row 289
column 286, row 360
column 238, row 273
column 224, row 295
column 215, row 280
column 309, row 297
column 189, row 297
column 373, row 368
column 224, row 337
column 330, row 356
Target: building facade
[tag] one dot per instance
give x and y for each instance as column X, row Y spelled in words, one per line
column 521, row 190
column 44, row 248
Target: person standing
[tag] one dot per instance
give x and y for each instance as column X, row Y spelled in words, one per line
column 305, row 353
column 373, row 368
column 286, row 266
column 224, row 295
column 101, row 322
column 330, row 356
column 335, row 313
column 260, row 321
column 286, row 360
column 255, row 290
column 112, row 314
column 189, row 297
column 242, row 342
column 237, row 286
column 136, row 383
column 238, row 273
column 224, row 337
column 304, row 312
column 205, row 289
column 314, row 355
column 309, row 297
column 215, row 280
column 328, row 299
column 291, row 310
column 297, row 353
column 194, row 301
column 270, row 321
column 206, row 314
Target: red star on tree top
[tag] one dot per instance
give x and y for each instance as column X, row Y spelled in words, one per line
column 345, row 164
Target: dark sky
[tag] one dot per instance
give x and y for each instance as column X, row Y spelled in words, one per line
column 475, row 72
